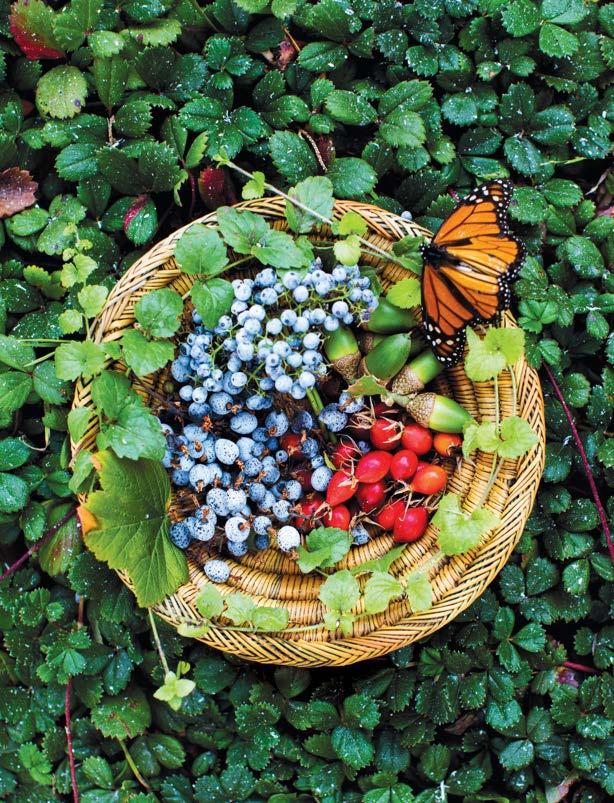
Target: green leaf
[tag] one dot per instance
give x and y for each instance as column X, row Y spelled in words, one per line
column 78, row 420
column 75, row 20
column 487, row 357
column 159, row 312
column 15, row 387
column 61, row 92
column 403, row 129
column 340, row 591
column 270, row 619
column 255, row 187
column 212, row 299
column 381, row 588
column 239, row 608
column 517, row 754
column 145, row 356
column 134, row 432
column 124, row 716
column 324, row 546
column 73, row 360
column 517, row 437
column 14, row 353
column 419, row 592
column 350, row 223
column 348, row 250
column 14, row 452
column 131, row 511
column 405, row 293
column 46, row 383
column 13, row 493
column 92, row 298
column 351, row 177
column 322, row 56
column 292, row 156
column 460, row 531
column 349, row 108
column 556, row 41
column 210, row 602
column 200, row 250
column 352, row 746
column 241, row 230
column 521, row 17
column 315, row 193
column 531, row 638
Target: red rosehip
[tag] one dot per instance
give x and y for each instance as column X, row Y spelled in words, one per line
column 338, row 516
column 388, row 515
column 404, row 464
column 429, row 480
column 291, row 443
column 371, row 495
column 344, row 453
column 307, row 509
column 417, row 438
column 446, row 443
column 410, row 525
column 342, row 486
column 373, row 466
column 385, row 434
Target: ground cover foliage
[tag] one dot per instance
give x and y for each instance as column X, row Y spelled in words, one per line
column 112, row 114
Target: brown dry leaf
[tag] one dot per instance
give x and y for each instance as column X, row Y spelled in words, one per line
column 17, row 191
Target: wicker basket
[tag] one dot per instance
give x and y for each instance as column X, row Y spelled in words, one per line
column 271, row 578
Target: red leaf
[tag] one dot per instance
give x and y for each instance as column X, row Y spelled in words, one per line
column 31, row 23
column 16, row 191
column 287, row 54
column 133, row 210
column 215, row 188
column 326, row 149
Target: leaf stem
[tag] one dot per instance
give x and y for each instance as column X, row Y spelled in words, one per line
column 38, row 544
column 156, row 637
column 580, row 668
column 133, row 767
column 586, row 465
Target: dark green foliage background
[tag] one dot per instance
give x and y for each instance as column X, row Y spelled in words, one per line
column 483, row 710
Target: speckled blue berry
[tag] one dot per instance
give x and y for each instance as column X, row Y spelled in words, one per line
column 320, row 478
column 226, row 451
column 180, row 535
column 243, row 423
column 218, row 571
column 217, row 501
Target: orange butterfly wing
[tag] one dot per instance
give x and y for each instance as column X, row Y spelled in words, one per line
column 477, row 258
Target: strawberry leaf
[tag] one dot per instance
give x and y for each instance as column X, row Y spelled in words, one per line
column 460, row 531
column 31, row 23
column 16, row 191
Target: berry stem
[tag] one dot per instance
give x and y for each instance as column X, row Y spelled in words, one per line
column 586, row 465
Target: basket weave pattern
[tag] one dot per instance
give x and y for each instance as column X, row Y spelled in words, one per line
column 270, row 577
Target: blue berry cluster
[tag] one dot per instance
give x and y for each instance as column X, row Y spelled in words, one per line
column 229, row 468
column 272, row 336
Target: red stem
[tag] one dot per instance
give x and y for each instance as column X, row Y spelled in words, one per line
column 38, row 544
column 581, row 667
column 587, row 469
column 68, row 725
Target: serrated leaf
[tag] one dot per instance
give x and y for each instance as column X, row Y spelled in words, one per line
column 460, row 531
column 381, row 588
column 131, row 512
column 61, row 92
column 406, row 293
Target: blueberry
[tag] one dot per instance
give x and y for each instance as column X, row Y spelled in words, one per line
column 217, row 570
column 320, row 478
column 237, row 548
column 180, row 535
column 261, row 525
column 243, row 423
column 217, row 501
column 236, row 528
column 226, row 451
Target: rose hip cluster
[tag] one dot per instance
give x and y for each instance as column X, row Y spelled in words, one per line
column 386, row 477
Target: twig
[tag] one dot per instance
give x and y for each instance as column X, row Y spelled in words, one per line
column 192, row 181
column 374, row 249
column 587, row 468
column 154, row 630
column 580, row 668
column 133, row 766
column 41, row 542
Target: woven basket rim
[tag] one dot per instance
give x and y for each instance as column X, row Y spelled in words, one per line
column 519, row 485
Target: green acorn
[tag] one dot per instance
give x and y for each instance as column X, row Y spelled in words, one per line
column 438, row 412
column 417, row 373
column 341, row 348
column 386, row 319
column 368, row 341
column 388, row 357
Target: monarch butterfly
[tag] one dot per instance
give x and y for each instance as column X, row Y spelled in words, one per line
column 468, row 267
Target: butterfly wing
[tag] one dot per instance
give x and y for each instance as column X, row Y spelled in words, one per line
column 471, row 282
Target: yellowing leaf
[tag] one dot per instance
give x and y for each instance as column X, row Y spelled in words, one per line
column 405, row 293
column 460, row 531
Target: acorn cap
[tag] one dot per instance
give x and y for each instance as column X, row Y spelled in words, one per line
column 417, row 373
column 348, row 366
